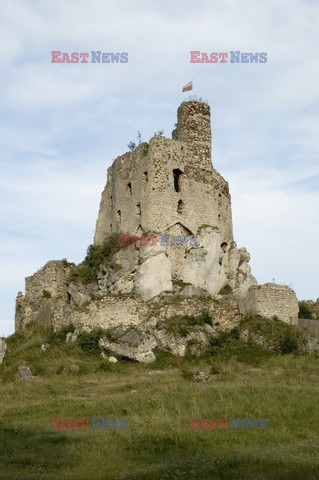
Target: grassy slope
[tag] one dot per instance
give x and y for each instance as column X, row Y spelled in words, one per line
column 158, row 443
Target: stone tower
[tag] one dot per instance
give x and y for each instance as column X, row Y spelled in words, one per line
column 169, row 186
column 167, row 183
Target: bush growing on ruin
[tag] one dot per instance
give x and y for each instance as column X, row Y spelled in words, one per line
column 304, row 311
column 96, row 255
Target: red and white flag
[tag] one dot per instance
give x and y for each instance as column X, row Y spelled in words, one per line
column 188, row 87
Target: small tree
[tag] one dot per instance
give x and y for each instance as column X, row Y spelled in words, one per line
column 159, row 133
column 131, row 145
column 139, row 137
column 304, row 310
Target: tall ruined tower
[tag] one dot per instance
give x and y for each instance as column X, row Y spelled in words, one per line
column 167, row 185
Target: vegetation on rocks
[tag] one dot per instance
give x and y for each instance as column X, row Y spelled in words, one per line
column 181, row 324
column 306, row 310
column 96, row 255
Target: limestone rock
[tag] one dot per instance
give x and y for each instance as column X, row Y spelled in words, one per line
column 132, row 345
column 79, row 293
column 72, row 336
column 172, row 343
column 149, row 325
column 203, row 263
column 112, row 359
column 202, row 377
column 153, row 277
column 25, row 372
column 45, row 347
column 119, row 278
column 3, row 349
column 150, row 251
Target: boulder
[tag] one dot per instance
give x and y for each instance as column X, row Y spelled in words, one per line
column 202, row 377
column 25, row 372
column 3, row 349
column 171, row 342
column 45, row 347
column 132, row 345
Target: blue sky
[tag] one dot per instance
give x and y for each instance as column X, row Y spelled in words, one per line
column 62, row 125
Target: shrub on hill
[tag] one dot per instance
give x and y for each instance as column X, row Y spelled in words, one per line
column 96, row 255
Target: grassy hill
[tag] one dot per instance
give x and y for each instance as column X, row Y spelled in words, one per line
column 158, row 401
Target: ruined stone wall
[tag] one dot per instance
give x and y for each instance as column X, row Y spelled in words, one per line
column 105, row 312
column 51, row 278
column 271, row 300
column 113, row 310
column 42, row 290
column 142, row 196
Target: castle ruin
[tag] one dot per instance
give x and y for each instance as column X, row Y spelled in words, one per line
column 164, row 187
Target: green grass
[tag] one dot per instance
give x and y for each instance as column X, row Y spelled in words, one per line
column 158, row 444
column 182, row 324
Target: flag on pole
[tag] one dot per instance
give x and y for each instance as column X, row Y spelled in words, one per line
column 188, row 87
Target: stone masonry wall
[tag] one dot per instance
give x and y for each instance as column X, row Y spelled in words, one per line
column 113, row 310
column 51, row 278
column 271, row 300
column 140, row 195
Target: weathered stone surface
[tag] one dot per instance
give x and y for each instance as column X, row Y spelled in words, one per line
column 72, row 336
column 132, row 345
column 112, row 359
column 119, row 278
column 79, row 293
column 45, row 347
column 271, row 300
column 172, row 343
column 202, row 377
column 3, row 349
column 154, row 276
column 25, row 372
column 203, row 263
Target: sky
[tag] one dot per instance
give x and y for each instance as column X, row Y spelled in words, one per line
column 62, row 125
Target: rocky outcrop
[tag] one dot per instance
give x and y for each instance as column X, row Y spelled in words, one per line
column 132, row 345
column 139, row 343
